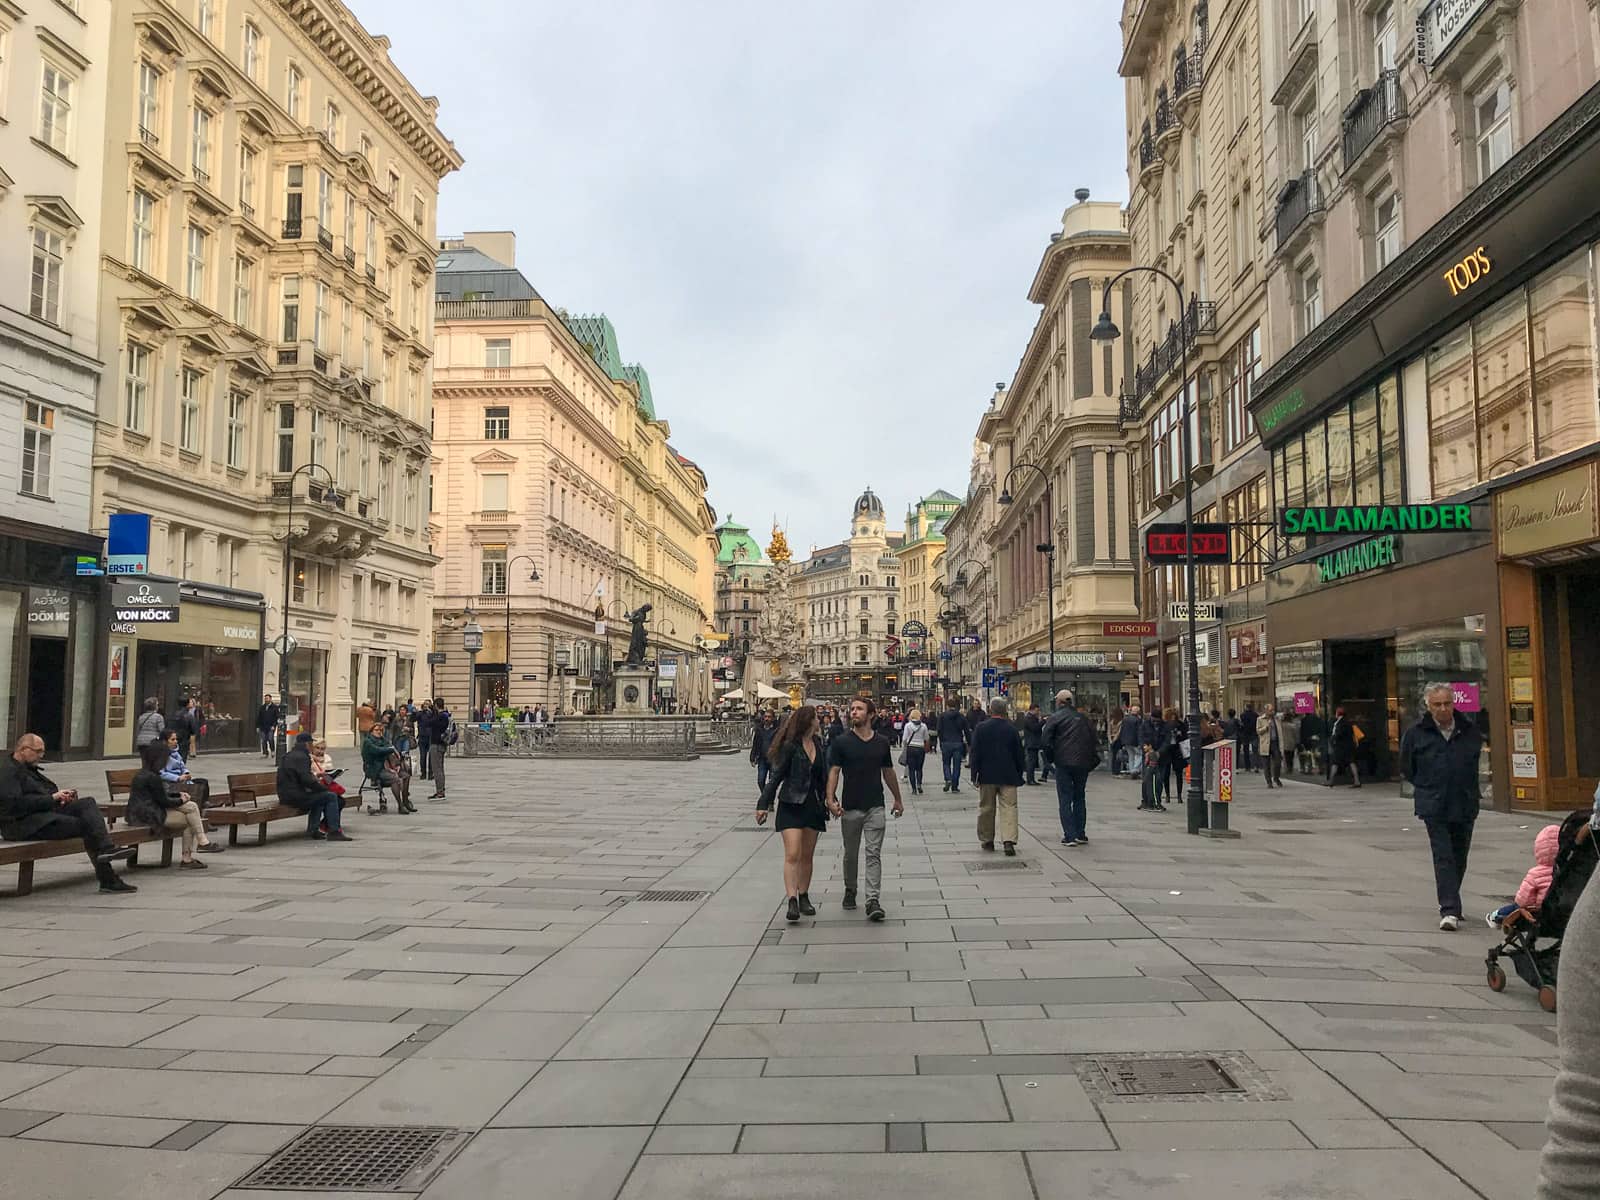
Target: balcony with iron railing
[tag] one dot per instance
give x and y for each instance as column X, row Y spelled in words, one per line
column 1150, row 163
column 1188, row 76
column 324, row 238
column 1168, row 127
column 1199, row 324
column 150, row 138
column 483, row 310
column 292, row 229
column 1376, row 112
column 1299, row 209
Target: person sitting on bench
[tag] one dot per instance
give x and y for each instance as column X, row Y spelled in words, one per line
column 176, row 773
column 154, row 804
column 299, row 787
column 385, row 766
column 31, row 806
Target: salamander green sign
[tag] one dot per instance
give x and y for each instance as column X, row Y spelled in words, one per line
column 1378, row 518
column 1370, row 555
column 1290, row 404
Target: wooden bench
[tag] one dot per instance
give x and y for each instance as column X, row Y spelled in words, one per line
column 118, row 784
column 253, row 800
column 24, row 854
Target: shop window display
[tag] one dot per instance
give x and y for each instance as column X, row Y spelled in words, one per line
column 1451, row 652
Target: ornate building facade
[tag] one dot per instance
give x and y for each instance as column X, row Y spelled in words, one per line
column 921, row 556
column 849, row 598
column 266, row 279
column 741, row 576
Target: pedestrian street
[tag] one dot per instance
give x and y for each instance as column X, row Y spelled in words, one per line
column 576, row 978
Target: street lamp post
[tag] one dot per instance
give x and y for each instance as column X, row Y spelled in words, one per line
column 961, row 582
column 533, row 577
column 472, row 643
column 1105, row 330
column 1046, row 548
column 286, row 645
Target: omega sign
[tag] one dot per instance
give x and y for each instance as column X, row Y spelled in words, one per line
column 1468, row 272
column 144, row 602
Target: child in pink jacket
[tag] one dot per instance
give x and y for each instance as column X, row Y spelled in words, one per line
column 1537, row 881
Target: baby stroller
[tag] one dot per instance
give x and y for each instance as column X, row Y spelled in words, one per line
column 1524, row 930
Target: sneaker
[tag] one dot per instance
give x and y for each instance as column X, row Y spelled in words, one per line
column 986, row 845
column 807, row 909
column 874, row 909
column 1492, row 920
column 849, row 898
column 211, row 848
column 1449, row 924
column 339, row 835
column 1011, row 849
column 117, row 884
column 194, row 864
column 793, row 913
column 1068, row 842
column 1082, row 841
column 112, row 853
column 947, row 785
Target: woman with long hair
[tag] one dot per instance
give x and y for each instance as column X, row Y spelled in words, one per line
column 915, row 737
column 798, row 780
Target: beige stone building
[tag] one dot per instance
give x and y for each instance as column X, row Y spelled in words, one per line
column 966, row 577
column 848, row 600
column 921, row 555
column 265, row 319
column 549, row 459
column 1059, row 458
column 1199, row 196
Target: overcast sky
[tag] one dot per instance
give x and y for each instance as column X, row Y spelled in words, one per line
column 814, row 223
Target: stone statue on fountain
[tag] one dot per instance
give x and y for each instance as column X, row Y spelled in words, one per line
column 778, row 652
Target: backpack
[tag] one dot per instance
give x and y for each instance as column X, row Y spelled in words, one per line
column 452, row 735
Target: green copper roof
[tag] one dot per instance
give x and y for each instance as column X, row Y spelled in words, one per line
column 731, row 538
column 599, row 338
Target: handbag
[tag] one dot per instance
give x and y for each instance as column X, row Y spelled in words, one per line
column 902, row 758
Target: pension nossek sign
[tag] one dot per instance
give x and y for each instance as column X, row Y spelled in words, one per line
column 1378, row 518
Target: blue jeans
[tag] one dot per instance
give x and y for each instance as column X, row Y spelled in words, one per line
column 324, row 807
column 763, row 769
column 952, row 756
column 1070, row 785
column 914, row 757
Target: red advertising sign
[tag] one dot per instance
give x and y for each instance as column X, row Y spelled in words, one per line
column 1169, row 543
column 1139, row 629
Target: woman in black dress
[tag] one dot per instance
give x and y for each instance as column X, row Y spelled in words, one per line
column 799, row 778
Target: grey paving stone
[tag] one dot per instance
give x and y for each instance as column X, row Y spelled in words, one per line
column 1451, row 1097
column 124, row 1172
column 1050, row 931
column 1354, row 1133
column 726, row 1068
column 283, row 1034
column 850, row 995
column 875, row 1098
column 333, row 1012
column 241, row 1138
column 855, row 1064
column 1473, row 1153
column 1042, row 1098
column 17, row 1078
column 845, row 1038
column 1329, row 1175
column 361, row 993
column 431, row 1091
column 608, row 1034
column 189, row 1096
column 84, row 1028
column 1219, row 1134
column 499, row 1035
column 1524, row 1135
column 602, row 1092
column 822, row 1176
column 807, row 1138
column 575, row 1164
column 219, row 952
column 105, row 1056
column 15, row 1120
column 994, row 1064
column 548, row 991
column 1230, row 1026
column 1019, row 1135
column 693, row 1139
column 689, row 978
column 344, row 1064
column 189, row 1135
column 1133, row 990
column 17, row 1051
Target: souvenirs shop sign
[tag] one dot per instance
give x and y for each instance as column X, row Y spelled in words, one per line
column 1378, row 518
column 1370, row 555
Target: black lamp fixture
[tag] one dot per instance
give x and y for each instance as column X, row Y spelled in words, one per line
column 1105, row 329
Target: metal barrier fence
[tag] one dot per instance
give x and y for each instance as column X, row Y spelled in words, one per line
column 580, row 739
column 735, row 735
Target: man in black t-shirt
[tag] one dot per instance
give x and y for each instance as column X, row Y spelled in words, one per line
column 860, row 758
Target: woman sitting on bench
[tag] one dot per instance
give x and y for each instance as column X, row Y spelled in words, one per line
column 158, row 809
column 176, row 772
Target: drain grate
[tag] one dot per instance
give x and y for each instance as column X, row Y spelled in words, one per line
column 358, row 1158
column 1158, row 1076
column 1282, row 831
column 671, row 897
column 1001, row 864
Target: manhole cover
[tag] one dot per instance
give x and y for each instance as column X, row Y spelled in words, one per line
column 1001, row 864
column 671, row 897
column 1166, row 1076
column 358, row 1158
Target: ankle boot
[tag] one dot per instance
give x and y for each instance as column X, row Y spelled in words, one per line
column 793, row 914
column 806, row 909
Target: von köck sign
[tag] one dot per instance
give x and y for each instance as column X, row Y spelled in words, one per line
column 146, row 602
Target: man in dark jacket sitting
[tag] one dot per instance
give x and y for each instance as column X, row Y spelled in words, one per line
column 1439, row 755
column 298, row 787
column 31, row 806
column 997, row 766
column 1074, row 750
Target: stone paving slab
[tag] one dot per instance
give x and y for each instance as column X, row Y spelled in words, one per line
column 489, row 968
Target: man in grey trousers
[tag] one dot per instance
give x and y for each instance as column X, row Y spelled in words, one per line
column 861, row 760
column 438, row 743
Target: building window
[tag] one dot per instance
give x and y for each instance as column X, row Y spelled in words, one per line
column 149, row 104
column 394, row 187
column 497, row 423
column 350, row 223
column 294, row 85
column 497, row 352
column 238, row 429
column 38, row 428
column 200, row 147
column 320, row 315
column 251, row 53
column 195, row 274
column 861, row 654
column 496, row 493
column 330, row 123
column 1305, row 130
column 371, row 257
column 136, row 388
column 142, row 248
column 189, row 416
column 1308, row 298
column 319, row 439
column 341, row 465
column 1238, row 237
column 1385, row 226
column 324, row 203
column 1491, row 126
column 244, row 286
column 293, row 200
column 247, row 179
column 365, row 144
column 44, row 292
column 55, row 108
column 1385, row 37
column 207, row 17
column 494, row 570
column 385, row 466
column 285, row 438
column 291, row 308
column 299, row 577
column 1240, row 369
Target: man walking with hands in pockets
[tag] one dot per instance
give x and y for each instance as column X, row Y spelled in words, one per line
column 861, row 759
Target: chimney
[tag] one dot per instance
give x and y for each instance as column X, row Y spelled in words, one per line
column 500, row 245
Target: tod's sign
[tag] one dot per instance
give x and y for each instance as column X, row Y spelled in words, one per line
column 1549, row 513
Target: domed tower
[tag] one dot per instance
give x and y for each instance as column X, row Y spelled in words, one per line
column 867, row 520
